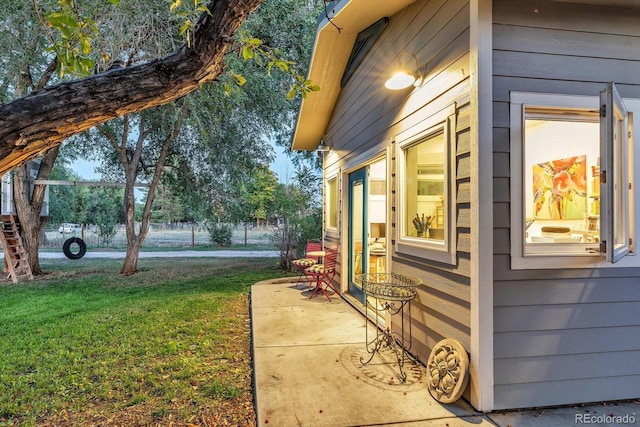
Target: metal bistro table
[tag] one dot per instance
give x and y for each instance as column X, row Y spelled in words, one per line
column 392, row 292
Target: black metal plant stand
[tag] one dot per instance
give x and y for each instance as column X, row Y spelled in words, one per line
column 392, row 293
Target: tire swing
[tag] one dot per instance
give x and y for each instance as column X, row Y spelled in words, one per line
column 72, row 254
column 67, row 245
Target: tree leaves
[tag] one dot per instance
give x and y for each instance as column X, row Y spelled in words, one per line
column 302, row 86
column 240, row 80
column 71, row 34
column 71, row 39
column 253, row 49
column 189, row 15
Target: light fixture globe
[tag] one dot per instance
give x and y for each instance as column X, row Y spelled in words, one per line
column 406, row 72
column 400, row 80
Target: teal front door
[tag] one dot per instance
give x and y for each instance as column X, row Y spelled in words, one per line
column 357, row 231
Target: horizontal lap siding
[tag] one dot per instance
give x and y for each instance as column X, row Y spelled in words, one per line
column 561, row 336
column 553, row 334
column 442, row 306
column 366, row 120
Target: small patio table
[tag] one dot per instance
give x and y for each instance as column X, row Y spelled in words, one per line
column 392, row 292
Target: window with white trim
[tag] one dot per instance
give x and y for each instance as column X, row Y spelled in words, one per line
column 425, row 188
column 571, row 193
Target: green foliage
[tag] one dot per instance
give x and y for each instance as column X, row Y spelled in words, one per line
column 66, row 203
column 300, row 217
column 224, row 137
column 302, row 86
column 106, row 230
column 71, row 35
column 220, row 234
column 188, row 13
column 167, row 205
column 253, row 49
column 105, row 211
column 290, row 27
column 260, row 192
column 69, row 203
column 250, row 198
column 83, row 35
column 311, row 226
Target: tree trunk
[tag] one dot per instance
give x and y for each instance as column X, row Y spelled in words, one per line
column 30, row 223
column 130, row 165
column 29, row 207
column 130, row 265
column 45, row 118
column 134, row 240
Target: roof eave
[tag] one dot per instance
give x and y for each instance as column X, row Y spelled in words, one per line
column 331, row 50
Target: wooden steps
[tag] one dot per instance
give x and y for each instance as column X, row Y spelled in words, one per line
column 16, row 260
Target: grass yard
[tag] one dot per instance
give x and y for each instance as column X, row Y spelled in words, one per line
column 167, row 346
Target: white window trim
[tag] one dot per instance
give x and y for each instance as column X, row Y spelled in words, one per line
column 616, row 119
column 553, row 261
column 445, row 252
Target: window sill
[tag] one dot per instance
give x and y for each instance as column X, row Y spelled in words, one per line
column 560, row 261
column 429, row 250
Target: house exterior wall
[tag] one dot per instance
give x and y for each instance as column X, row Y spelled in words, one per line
column 565, row 335
column 364, row 125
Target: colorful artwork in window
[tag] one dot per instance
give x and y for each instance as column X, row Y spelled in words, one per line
column 560, row 188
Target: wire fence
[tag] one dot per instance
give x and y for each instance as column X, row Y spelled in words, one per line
column 174, row 235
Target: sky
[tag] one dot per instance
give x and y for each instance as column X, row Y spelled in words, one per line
column 282, row 166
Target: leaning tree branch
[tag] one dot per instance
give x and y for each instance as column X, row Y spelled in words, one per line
column 43, row 119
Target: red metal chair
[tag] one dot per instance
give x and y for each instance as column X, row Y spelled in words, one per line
column 323, row 273
column 301, row 264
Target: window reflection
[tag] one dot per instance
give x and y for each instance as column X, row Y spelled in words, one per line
column 425, row 188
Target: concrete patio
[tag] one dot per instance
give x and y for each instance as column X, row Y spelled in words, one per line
column 308, row 373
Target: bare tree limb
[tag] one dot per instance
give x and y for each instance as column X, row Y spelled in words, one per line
column 46, row 76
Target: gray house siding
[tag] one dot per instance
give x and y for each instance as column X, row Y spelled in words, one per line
column 365, row 121
column 442, row 307
column 560, row 336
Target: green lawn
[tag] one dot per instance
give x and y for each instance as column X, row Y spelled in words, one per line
column 87, row 346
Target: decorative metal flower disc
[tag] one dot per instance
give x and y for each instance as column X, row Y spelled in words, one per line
column 448, row 371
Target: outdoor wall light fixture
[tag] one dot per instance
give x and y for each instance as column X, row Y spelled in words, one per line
column 406, row 72
column 323, row 147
